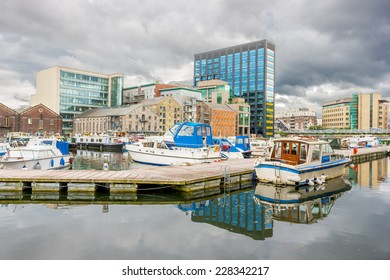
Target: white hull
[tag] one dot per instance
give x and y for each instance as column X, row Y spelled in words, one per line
column 177, row 156
column 58, row 162
column 280, row 173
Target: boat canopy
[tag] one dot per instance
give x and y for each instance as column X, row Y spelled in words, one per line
column 191, row 134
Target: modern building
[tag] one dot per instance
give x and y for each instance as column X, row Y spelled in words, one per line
column 243, row 115
column 69, row 92
column 361, row 111
column 249, row 70
column 336, row 114
column 372, row 111
column 132, row 119
column 298, row 118
column 215, row 91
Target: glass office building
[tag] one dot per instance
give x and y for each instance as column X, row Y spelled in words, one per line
column 249, row 69
column 70, row 92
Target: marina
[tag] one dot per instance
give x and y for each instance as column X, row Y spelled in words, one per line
column 347, row 220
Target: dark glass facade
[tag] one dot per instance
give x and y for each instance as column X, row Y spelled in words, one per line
column 250, row 71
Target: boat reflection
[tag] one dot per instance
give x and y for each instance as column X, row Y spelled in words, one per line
column 304, row 206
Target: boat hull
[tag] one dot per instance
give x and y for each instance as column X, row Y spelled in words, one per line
column 280, row 173
column 171, row 157
column 59, row 162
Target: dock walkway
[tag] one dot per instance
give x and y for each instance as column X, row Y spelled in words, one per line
column 365, row 154
column 184, row 178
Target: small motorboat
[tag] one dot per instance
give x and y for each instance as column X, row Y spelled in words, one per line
column 300, row 161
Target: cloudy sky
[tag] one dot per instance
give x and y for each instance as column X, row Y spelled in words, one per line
column 324, row 49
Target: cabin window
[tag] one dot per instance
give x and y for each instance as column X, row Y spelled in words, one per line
column 294, row 148
column 303, row 152
column 316, row 153
column 286, row 148
column 277, row 150
column 327, row 149
column 186, row 131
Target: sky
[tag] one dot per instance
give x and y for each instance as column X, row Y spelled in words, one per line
column 325, row 50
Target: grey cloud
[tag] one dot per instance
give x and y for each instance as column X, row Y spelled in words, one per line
column 338, row 43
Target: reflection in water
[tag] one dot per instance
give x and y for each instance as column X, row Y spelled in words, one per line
column 300, row 205
column 369, row 174
column 93, row 160
column 236, row 212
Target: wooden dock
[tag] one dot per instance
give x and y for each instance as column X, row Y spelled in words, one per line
column 188, row 178
column 365, row 154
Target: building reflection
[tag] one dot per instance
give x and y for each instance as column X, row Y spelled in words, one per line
column 368, row 174
column 237, row 213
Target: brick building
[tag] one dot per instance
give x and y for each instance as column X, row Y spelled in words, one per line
column 39, row 119
column 8, row 120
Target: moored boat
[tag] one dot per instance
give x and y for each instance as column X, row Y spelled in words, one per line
column 184, row 143
column 300, row 161
column 41, row 154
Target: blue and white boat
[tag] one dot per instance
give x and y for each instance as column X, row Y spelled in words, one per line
column 228, row 150
column 39, row 153
column 184, row 143
column 242, row 143
column 300, row 161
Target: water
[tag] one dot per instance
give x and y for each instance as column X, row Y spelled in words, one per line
column 354, row 224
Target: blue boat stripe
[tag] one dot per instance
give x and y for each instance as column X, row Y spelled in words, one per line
column 304, row 169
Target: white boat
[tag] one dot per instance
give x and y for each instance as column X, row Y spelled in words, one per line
column 4, row 147
column 360, row 141
column 300, row 161
column 260, row 147
column 184, row 143
column 305, row 205
column 38, row 154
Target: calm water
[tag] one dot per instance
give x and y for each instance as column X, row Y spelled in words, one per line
column 353, row 223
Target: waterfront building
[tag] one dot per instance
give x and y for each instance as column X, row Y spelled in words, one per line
column 8, row 120
column 336, row 114
column 37, row 119
column 372, row 111
column 168, row 110
column 361, row 111
column 215, row 91
column 220, row 117
column 136, row 94
column 132, row 119
column 69, row 92
column 249, row 70
column 297, row 118
column 243, row 115
column 187, row 97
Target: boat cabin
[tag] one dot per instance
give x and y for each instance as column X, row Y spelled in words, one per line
column 192, row 135
column 295, row 151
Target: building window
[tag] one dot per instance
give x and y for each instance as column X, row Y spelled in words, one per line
column 29, row 120
column 40, row 124
column 51, row 122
